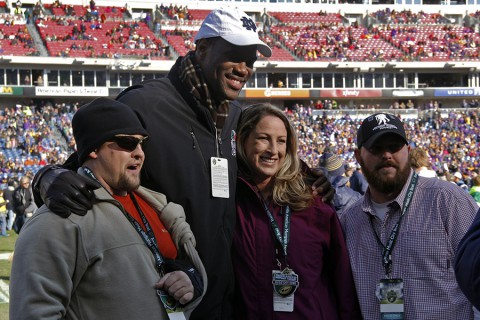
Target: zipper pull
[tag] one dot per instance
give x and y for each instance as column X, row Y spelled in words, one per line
column 194, row 146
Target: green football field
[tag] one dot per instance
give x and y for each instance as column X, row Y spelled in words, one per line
column 6, row 249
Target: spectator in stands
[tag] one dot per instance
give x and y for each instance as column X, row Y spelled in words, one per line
column 344, row 195
column 188, row 112
column 407, row 266
column 421, row 163
column 108, row 263
column 475, row 189
column 358, row 182
column 458, row 180
column 26, row 80
column 39, row 80
column 271, row 191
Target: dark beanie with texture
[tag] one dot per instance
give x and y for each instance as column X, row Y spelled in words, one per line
column 100, row 120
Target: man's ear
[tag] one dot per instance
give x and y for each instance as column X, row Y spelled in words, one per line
column 93, row 154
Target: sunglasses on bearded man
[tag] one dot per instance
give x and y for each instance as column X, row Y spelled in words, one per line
column 128, row 143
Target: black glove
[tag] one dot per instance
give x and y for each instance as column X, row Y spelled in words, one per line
column 64, row 191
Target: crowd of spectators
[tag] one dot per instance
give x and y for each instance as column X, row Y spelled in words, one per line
column 33, row 135
column 393, row 36
column 389, row 16
column 452, row 142
column 36, row 134
column 176, row 12
column 88, row 36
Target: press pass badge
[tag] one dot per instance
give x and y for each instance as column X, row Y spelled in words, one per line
column 219, row 172
column 172, row 307
column 285, row 283
column 390, row 295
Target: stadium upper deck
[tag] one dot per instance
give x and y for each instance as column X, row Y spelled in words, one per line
column 346, row 50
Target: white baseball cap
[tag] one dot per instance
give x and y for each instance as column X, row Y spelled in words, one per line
column 234, row 26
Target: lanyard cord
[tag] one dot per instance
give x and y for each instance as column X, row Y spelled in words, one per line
column 282, row 240
column 388, row 248
column 147, row 236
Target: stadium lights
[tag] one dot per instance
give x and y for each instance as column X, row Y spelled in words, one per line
column 449, row 65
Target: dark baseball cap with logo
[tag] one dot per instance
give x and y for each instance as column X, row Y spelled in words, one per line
column 376, row 125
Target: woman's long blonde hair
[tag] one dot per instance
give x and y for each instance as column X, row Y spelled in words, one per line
column 289, row 187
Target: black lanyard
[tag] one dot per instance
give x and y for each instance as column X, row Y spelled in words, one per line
column 148, row 236
column 285, row 239
column 388, row 248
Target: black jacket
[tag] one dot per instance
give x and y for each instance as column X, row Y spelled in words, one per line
column 182, row 141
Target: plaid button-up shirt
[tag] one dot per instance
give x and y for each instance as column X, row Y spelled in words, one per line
column 439, row 215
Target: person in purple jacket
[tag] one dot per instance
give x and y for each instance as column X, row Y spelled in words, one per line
column 289, row 253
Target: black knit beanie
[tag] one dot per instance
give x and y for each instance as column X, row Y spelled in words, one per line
column 100, row 120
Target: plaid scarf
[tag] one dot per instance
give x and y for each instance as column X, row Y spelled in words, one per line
column 191, row 75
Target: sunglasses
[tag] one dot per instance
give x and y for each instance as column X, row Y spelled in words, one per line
column 128, row 143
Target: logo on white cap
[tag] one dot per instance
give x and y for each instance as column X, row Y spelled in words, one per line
column 234, row 26
column 249, row 24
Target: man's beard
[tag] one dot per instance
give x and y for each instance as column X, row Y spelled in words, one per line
column 383, row 184
column 128, row 184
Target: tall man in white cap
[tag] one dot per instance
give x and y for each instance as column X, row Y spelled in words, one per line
column 402, row 236
column 108, row 263
column 192, row 152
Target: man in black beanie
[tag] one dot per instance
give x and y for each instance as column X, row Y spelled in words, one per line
column 119, row 261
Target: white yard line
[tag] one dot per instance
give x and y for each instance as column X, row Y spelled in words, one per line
column 4, row 295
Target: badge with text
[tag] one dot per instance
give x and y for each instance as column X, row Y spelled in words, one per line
column 172, row 307
column 219, row 173
column 390, row 295
column 285, row 283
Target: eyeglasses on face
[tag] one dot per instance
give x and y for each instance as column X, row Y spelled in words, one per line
column 391, row 148
column 128, row 143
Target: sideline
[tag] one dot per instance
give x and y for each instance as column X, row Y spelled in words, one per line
column 6, row 255
column 4, row 292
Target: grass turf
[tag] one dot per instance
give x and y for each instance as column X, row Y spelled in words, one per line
column 6, row 247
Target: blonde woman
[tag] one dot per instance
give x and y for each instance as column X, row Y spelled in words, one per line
column 289, row 252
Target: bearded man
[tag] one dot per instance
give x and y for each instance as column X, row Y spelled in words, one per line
column 402, row 235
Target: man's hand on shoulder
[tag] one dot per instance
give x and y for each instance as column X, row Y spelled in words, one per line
column 64, row 191
column 322, row 186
